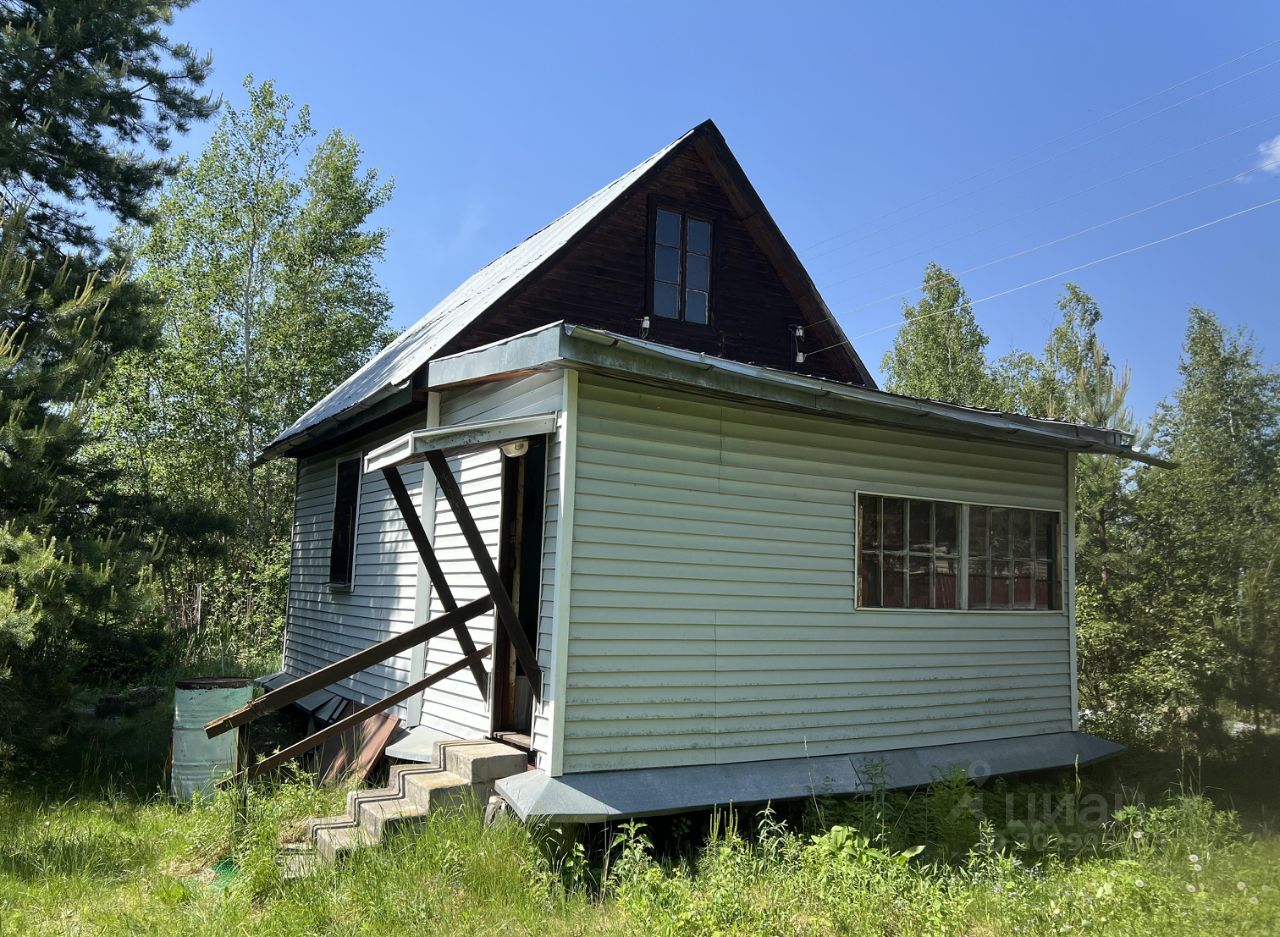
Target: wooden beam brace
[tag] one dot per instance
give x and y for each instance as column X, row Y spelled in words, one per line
column 357, row 662
column 337, row 728
column 505, row 610
column 407, row 511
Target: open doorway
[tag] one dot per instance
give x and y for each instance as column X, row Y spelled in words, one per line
column 524, row 487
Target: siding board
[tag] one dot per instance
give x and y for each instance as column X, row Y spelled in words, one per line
column 712, row 616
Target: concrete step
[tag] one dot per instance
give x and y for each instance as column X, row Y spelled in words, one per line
column 462, row 771
column 433, row 789
column 480, row 759
column 334, row 842
column 379, row 817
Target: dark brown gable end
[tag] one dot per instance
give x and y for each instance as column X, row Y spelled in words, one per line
column 759, row 293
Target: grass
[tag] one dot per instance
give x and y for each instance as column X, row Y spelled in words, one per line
column 98, row 850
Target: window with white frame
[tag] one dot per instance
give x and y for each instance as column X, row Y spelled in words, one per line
column 914, row 553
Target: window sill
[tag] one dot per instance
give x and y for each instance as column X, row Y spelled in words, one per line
column 339, row 586
column 964, row 611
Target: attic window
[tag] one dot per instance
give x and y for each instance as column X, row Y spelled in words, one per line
column 681, row 267
column 346, row 501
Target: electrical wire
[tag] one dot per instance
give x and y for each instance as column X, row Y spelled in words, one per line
column 1035, row 209
column 1060, row 273
column 1057, row 153
column 1234, row 177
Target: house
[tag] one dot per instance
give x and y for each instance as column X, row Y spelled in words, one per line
column 674, row 541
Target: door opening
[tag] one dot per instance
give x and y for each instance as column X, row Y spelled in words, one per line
column 524, row 485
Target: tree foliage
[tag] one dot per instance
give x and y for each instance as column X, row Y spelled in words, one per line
column 939, row 352
column 269, row 300
column 1178, row 571
column 74, row 555
column 92, row 95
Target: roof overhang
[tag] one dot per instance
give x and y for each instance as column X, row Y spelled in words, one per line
column 452, row 440
column 570, row 346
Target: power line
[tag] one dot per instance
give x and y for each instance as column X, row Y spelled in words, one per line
column 1060, row 273
column 1044, row 205
column 1059, row 139
column 1234, row 177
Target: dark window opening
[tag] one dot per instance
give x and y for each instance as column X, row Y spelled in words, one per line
column 681, row 267
column 346, row 502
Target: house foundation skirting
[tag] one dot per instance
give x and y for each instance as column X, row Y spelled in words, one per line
column 611, row 795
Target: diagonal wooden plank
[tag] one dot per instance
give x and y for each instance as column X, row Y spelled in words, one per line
column 357, row 662
column 502, row 604
column 337, row 728
column 407, row 511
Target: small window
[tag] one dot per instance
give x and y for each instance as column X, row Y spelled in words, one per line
column 917, row 554
column 346, row 501
column 681, row 267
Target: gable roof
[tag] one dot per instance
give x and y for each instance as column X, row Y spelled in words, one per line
column 395, row 366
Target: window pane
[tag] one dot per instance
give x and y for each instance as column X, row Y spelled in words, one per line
column 1021, row 533
column 1000, row 586
column 695, row 307
column 667, row 229
column 699, row 233
column 869, row 529
column 1044, row 595
column 666, row 264
column 978, row 531
column 697, row 272
column 1000, row 532
column 1046, row 532
column 920, row 588
column 921, row 525
column 869, row 580
column 946, row 578
column 1023, row 577
column 945, row 527
column 666, row 299
column 978, row 583
column 893, row 510
column 345, row 508
column 894, row 595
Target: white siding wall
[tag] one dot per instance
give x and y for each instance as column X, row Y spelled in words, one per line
column 712, row 614
column 455, row 705
column 323, row 626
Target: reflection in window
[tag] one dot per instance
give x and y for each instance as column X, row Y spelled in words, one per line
column 913, row 553
column 681, row 267
column 1012, row 558
column 909, row 553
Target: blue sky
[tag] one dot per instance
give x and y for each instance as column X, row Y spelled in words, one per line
column 881, row 136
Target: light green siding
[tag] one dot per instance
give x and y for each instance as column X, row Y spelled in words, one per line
column 712, row 616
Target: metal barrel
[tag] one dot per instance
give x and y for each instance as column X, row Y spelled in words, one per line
column 200, row 762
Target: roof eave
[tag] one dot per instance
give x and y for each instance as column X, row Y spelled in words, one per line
column 595, row 349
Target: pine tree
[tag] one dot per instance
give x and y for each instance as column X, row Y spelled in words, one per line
column 91, row 92
column 86, row 85
column 73, row 561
